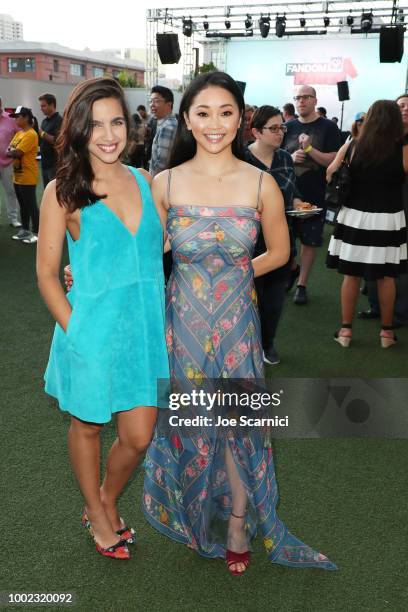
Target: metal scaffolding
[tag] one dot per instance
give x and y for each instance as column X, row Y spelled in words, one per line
column 219, row 24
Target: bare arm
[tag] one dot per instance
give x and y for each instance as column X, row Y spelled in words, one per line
column 274, row 228
column 159, row 193
column 323, row 159
column 336, row 163
column 51, row 237
column 405, row 157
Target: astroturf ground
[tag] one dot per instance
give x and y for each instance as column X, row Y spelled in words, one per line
column 346, row 497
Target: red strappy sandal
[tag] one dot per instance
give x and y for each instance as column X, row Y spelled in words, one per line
column 231, row 557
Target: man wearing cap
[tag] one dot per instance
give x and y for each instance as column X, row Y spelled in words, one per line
column 50, row 127
column 23, row 151
column 7, row 130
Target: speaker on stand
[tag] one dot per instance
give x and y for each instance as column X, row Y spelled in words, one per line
column 343, row 94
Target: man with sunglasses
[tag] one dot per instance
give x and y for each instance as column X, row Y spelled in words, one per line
column 313, row 142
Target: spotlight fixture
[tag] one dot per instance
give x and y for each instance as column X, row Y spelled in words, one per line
column 227, row 24
column 264, row 25
column 187, row 27
column 326, row 21
column 302, row 22
column 248, row 22
column 366, row 21
column 350, row 20
column 280, row 26
column 206, row 25
column 400, row 16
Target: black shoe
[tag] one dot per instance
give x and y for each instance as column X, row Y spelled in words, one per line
column 368, row 314
column 293, row 276
column 271, row 357
column 300, row 295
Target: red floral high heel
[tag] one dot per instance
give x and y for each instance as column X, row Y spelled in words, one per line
column 116, row 551
column 128, row 533
column 232, row 558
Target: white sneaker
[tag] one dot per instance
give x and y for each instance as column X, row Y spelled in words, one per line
column 30, row 239
column 21, row 235
column 15, row 224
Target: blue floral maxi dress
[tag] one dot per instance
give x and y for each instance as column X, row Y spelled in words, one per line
column 213, row 332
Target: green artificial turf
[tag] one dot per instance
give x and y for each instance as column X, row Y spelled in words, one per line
column 345, row 497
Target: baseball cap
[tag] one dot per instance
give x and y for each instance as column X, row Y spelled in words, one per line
column 359, row 116
column 22, row 110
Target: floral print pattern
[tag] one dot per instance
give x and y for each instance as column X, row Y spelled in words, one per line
column 213, row 331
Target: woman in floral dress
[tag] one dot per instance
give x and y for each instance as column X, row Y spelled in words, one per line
column 199, row 479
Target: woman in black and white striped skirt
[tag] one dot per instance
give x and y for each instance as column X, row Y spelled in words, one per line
column 369, row 239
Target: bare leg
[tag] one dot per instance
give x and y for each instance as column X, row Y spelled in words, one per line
column 307, row 257
column 386, row 298
column 135, row 430
column 84, row 450
column 237, row 541
column 349, row 295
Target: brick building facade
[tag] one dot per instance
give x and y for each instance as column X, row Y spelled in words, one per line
column 52, row 62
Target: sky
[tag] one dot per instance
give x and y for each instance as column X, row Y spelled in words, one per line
column 97, row 24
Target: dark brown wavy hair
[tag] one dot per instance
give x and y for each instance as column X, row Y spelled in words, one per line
column 75, row 176
column 381, row 132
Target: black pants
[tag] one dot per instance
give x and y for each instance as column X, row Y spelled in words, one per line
column 27, row 199
column 271, row 290
column 48, row 174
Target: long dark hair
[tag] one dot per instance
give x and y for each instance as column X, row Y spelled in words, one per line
column 74, row 171
column 185, row 146
column 380, row 133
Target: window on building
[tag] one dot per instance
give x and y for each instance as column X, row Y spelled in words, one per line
column 115, row 74
column 21, row 64
column 77, row 70
column 97, row 71
column 55, row 65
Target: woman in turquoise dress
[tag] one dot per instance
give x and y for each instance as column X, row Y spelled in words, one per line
column 108, row 349
column 200, row 478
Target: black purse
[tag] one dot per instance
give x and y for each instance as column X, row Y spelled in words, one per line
column 338, row 190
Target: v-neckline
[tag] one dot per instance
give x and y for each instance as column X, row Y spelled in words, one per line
column 122, row 223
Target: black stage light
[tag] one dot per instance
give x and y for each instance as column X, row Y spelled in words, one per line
column 350, row 20
column 206, row 25
column 280, row 26
column 187, row 27
column 227, row 24
column 326, row 21
column 366, row 21
column 264, row 25
column 302, row 22
column 248, row 22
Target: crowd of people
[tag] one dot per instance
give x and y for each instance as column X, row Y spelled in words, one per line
column 223, row 182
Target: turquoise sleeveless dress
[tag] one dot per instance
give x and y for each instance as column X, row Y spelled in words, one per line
column 114, row 351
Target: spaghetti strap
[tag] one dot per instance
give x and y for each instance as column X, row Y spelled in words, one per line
column 168, row 187
column 259, row 190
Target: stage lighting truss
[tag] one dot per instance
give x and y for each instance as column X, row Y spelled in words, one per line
column 290, row 17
